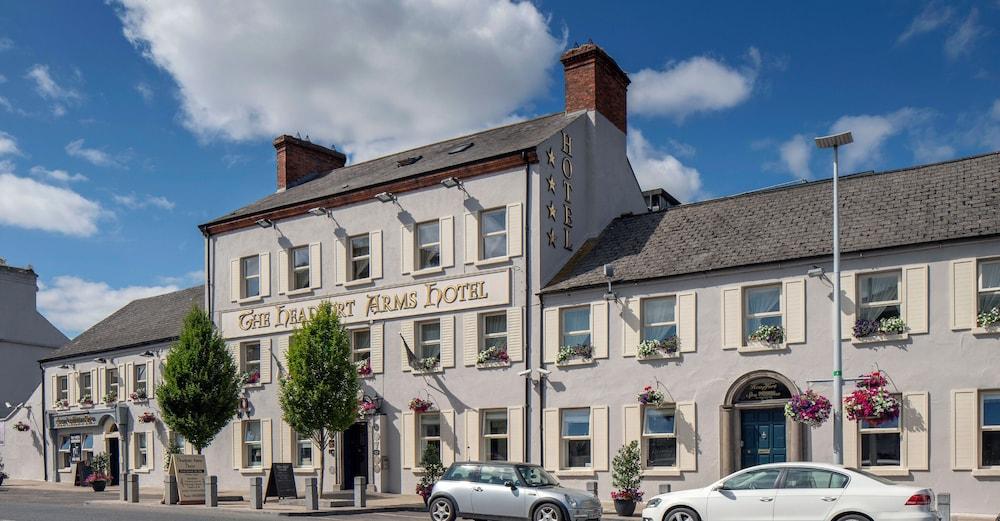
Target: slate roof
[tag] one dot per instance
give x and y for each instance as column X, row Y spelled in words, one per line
column 140, row 322
column 957, row 199
column 487, row 144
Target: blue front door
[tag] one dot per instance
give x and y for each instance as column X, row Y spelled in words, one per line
column 763, row 436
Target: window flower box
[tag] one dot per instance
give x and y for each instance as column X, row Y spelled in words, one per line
column 427, row 365
column 139, row 396
column 988, row 322
column 766, row 337
column 61, row 405
column 110, row 397
column 578, row 354
column 658, row 349
column 364, row 368
column 871, row 401
column 420, row 405
column 493, row 357
column 809, row 408
column 147, row 417
column 885, row 330
column 251, row 378
column 651, row 396
column 86, row 402
column 21, row 427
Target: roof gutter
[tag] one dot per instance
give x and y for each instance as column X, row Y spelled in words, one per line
column 108, row 350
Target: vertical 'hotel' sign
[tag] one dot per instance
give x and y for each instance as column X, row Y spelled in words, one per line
column 563, row 189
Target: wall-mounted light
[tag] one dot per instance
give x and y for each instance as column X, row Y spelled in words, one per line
column 101, row 360
column 609, row 273
column 815, row 272
column 64, row 366
column 451, row 182
column 148, row 354
column 385, row 197
column 319, row 210
column 264, row 223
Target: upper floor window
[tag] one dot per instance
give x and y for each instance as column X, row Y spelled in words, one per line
column 576, row 438
column 86, row 387
column 493, row 230
column 251, row 361
column 989, row 285
column 881, row 442
column 990, row 425
column 250, row 276
column 429, row 245
column 139, row 381
column 62, row 388
column 65, row 452
column 762, row 305
column 575, row 323
column 495, row 435
column 494, row 331
column 360, row 257
column 659, row 318
column 659, row 437
column 300, row 267
column 429, row 345
column 112, row 386
column 879, row 296
column 361, row 344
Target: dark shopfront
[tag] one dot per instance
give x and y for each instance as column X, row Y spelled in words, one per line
column 78, row 436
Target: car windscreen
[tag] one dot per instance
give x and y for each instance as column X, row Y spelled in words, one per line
column 536, row 476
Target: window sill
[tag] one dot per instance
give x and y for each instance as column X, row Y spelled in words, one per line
column 254, row 470
column 143, row 401
column 890, row 472
column 259, row 385
column 304, row 470
column 493, row 365
column 146, row 470
column 579, row 361
column 491, row 262
column 427, row 271
column 297, row 292
column 358, row 282
column 880, row 339
column 576, row 473
column 65, row 471
column 661, row 473
column 986, row 331
column 986, row 473
column 762, row 347
column 422, row 373
column 249, row 300
column 659, row 356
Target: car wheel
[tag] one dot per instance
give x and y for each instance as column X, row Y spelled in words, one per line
column 681, row 514
column 547, row 512
column 442, row 509
column 853, row 517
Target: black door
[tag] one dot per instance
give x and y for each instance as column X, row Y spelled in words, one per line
column 113, row 453
column 355, row 452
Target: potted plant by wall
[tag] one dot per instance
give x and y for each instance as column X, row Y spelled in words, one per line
column 578, row 352
column 809, row 408
column 655, row 348
column 22, row 427
column 418, row 404
column 625, row 476
column 989, row 320
column 147, row 417
column 872, row 401
column 100, row 466
column 430, row 461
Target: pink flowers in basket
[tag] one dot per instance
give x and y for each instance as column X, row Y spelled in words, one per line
column 871, row 401
column 420, row 405
column 810, row 408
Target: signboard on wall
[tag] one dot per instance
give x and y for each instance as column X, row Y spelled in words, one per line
column 763, row 389
column 189, row 471
column 74, row 420
column 459, row 293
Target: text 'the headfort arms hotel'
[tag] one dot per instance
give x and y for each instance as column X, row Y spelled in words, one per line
column 471, row 274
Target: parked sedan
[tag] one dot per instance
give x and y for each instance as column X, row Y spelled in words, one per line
column 796, row 492
column 502, row 491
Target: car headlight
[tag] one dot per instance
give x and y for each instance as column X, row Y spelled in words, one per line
column 572, row 502
column 655, row 502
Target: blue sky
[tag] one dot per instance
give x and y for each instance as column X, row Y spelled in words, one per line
column 123, row 126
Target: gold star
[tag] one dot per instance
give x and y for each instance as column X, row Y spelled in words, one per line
column 552, row 237
column 552, row 211
column 552, row 184
column 552, row 157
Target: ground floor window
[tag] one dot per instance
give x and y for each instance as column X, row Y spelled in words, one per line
column 575, row 435
column 87, row 448
column 881, row 443
column 430, row 432
column 659, row 437
column 990, row 425
column 252, row 448
column 303, row 450
column 65, row 452
column 141, row 450
column 495, row 435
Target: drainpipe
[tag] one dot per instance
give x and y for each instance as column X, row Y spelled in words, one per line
column 208, row 273
column 527, row 298
column 45, row 429
column 542, row 384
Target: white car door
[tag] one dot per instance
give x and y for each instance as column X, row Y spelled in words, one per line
column 808, row 494
column 748, row 496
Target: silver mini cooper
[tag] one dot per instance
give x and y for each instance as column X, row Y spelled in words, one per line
column 503, row 491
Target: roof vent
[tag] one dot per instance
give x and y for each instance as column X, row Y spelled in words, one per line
column 461, row 148
column 408, row 161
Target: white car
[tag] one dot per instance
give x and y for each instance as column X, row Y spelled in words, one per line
column 796, row 492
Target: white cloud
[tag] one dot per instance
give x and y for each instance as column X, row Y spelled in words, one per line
column 699, row 84
column 655, row 168
column 965, row 37
column 26, row 203
column 145, row 91
column 795, row 155
column 136, row 202
column 995, row 111
column 8, row 145
column 188, row 279
column 94, row 156
column 56, row 175
column 932, row 17
column 47, row 87
column 390, row 73
column 74, row 304
column 870, row 134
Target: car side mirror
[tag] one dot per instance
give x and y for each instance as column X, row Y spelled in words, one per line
column 509, row 484
column 717, row 487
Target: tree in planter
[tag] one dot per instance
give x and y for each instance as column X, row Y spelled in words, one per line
column 201, row 385
column 430, row 461
column 320, row 393
column 625, row 477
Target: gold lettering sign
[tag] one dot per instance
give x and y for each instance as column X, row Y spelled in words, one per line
column 76, row 420
column 567, row 146
column 481, row 290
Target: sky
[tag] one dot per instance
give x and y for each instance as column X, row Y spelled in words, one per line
column 125, row 124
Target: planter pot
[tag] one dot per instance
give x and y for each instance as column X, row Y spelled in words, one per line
column 98, row 486
column 625, row 507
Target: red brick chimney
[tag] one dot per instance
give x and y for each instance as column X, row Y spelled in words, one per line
column 300, row 161
column 595, row 82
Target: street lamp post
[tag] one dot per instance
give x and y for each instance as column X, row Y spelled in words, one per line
column 836, row 141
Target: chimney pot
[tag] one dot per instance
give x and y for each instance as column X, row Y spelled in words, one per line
column 300, row 161
column 595, row 82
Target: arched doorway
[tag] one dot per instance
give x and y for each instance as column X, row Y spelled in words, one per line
column 753, row 427
column 112, row 445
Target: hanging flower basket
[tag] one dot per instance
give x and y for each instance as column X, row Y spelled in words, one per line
column 493, row 356
column 577, row 352
column 768, row 334
column 871, row 401
column 989, row 319
column 809, row 408
column 364, row 368
column 651, row 396
column 366, row 408
column 887, row 326
column 21, row 427
column 420, row 405
column 147, row 417
column 650, row 348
